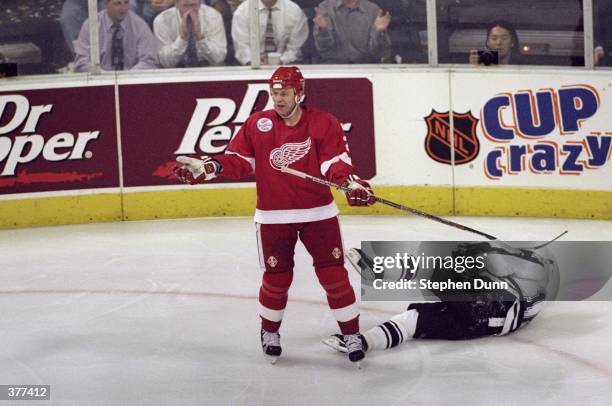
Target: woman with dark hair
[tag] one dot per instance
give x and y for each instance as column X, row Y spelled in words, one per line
column 501, row 37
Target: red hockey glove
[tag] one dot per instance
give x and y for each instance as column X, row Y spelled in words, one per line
column 361, row 192
column 194, row 171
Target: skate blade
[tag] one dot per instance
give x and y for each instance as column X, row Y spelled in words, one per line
column 334, row 343
column 271, row 359
column 357, row 364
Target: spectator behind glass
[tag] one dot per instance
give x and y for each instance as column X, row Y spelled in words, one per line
column 149, row 9
column 126, row 41
column 190, row 34
column 289, row 31
column 501, row 37
column 351, row 31
column 74, row 12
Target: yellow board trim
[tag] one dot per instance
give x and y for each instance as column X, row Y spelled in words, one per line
column 441, row 201
column 241, row 202
column 189, row 203
column 527, row 202
column 46, row 211
column 430, row 199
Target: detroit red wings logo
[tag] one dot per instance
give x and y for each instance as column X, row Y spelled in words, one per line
column 289, row 153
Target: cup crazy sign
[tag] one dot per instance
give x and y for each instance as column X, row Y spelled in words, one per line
column 529, row 131
column 543, row 135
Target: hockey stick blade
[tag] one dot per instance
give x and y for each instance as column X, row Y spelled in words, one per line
column 401, row 207
column 537, row 247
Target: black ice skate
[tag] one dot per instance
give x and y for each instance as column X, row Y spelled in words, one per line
column 354, row 347
column 270, row 344
column 336, row 341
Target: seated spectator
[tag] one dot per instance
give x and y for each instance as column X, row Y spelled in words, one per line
column 190, row 34
column 149, row 9
column 501, row 37
column 126, row 41
column 351, row 31
column 283, row 29
column 74, row 12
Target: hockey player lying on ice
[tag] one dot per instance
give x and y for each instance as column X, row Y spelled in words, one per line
column 531, row 278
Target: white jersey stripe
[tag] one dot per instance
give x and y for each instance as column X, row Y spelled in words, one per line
column 344, row 157
column 269, row 314
column 250, row 160
column 346, row 313
column 262, row 264
column 296, row 215
column 511, row 320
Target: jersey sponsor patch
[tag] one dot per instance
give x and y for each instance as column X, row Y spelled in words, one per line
column 289, row 153
column 264, row 124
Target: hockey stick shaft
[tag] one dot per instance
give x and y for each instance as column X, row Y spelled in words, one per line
column 397, row 206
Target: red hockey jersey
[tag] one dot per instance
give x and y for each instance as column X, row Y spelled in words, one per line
column 316, row 145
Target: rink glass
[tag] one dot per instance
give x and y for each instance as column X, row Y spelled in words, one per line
column 37, row 35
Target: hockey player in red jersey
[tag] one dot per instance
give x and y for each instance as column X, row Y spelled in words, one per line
column 288, row 208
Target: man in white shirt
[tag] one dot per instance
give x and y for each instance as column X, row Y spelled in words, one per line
column 190, row 34
column 286, row 34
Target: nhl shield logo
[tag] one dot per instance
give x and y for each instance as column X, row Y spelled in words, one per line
column 438, row 140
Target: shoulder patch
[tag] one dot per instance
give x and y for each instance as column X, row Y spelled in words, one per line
column 264, row 124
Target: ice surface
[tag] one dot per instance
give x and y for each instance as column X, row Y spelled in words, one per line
column 165, row 313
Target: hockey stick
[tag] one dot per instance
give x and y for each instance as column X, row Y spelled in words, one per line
column 537, row 247
column 405, row 208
